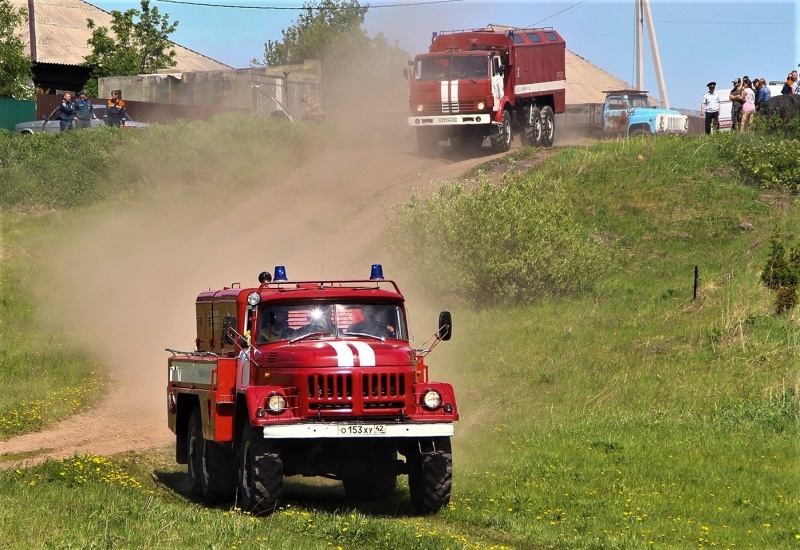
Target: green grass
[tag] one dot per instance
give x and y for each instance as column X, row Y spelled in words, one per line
column 626, row 415
column 43, row 378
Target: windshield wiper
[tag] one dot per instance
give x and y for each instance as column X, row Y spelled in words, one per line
column 381, row 338
column 309, row 335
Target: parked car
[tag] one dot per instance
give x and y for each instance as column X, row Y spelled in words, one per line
column 53, row 126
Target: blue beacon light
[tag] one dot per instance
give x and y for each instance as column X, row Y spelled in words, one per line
column 280, row 273
column 376, row 274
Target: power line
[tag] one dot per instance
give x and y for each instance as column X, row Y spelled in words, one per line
column 555, row 14
column 365, row 7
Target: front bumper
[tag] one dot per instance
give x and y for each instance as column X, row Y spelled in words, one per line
column 336, row 430
column 450, row 120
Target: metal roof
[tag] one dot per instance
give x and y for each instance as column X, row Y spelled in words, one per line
column 61, row 35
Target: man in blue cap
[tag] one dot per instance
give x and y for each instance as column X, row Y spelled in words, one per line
column 84, row 111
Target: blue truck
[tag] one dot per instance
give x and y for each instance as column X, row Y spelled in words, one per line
column 625, row 113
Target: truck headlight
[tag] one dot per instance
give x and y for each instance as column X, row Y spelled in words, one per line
column 432, row 400
column 420, row 108
column 276, row 403
column 253, row 298
column 481, row 105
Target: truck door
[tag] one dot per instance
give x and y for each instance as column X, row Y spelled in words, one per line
column 497, row 81
column 615, row 115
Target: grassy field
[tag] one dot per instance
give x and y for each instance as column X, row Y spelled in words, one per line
column 623, row 413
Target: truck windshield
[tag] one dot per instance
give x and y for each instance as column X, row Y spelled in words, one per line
column 452, row 67
column 638, row 101
column 331, row 319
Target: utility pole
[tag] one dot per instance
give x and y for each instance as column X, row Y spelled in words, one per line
column 642, row 13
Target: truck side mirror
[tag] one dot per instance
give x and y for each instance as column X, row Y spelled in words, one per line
column 445, row 325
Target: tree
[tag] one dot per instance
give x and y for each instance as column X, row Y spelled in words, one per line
column 320, row 27
column 130, row 47
column 16, row 80
column 356, row 68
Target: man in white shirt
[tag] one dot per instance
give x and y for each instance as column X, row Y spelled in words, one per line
column 710, row 107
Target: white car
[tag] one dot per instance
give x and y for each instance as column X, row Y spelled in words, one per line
column 54, row 126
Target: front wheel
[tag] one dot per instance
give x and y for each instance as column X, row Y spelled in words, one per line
column 430, row 478
column 501, row 134
column 260, row 484
column 548, row 126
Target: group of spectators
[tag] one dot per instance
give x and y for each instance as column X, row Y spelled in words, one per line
column 78, row 113
column 747, row 97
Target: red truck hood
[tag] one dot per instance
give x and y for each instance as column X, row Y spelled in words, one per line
column 339, row 353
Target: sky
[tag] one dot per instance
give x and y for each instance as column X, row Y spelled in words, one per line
column 698, row 40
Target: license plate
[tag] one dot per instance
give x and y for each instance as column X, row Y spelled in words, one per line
column 360, row 430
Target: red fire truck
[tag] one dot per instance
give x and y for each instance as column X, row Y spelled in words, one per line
column 485, row 83
column 311, row 378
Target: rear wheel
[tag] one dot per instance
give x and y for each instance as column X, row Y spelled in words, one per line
column 548, row 126
column 260, row 484
column 430, row 478
column 194, row 442
column 501, row 134
column 534, row 133
column 217, row 472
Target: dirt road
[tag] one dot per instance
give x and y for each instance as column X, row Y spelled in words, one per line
column 127, row 278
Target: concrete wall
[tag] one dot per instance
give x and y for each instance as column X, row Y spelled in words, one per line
column 251, row 89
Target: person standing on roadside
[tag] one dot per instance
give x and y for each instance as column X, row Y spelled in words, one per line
column 749, row 106
column 737, row 100
column 66, row 112
column 710, row 107
column 788, row 86
column 84, row 111
column 115, row 109
column 763, row 93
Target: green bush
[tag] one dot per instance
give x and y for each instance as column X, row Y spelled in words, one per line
column 782, row 274
column 505, row 244
column 766, row 160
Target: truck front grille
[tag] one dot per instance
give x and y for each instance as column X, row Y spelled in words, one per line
column 447, row 108
column 359, row 392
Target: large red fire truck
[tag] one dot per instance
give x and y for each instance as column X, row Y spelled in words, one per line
column 484, row 83
column 312, row 378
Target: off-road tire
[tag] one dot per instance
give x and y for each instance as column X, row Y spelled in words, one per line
column 218, row 473
column 501, row 134
column 548, row 126
column 260, row 483
column 372, row 477
column 427, row 140
column 430, row 478
column 639, row 131
column 534, row 132
column 194, row 444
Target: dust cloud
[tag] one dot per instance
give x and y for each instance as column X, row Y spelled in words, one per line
column 121, row 280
